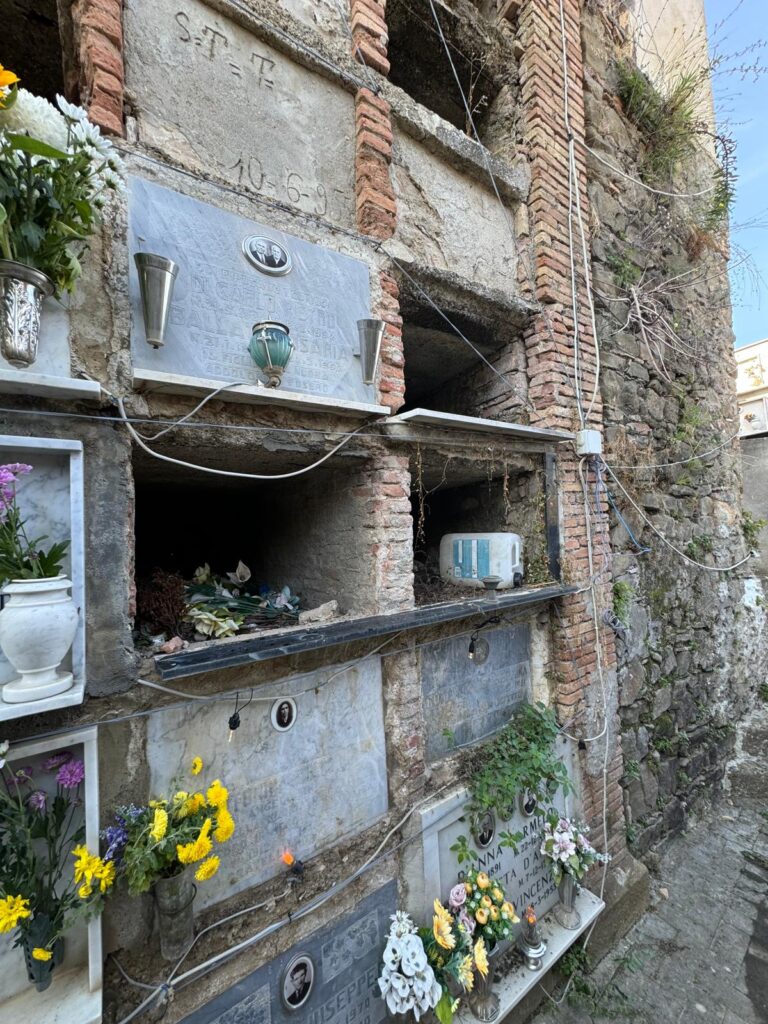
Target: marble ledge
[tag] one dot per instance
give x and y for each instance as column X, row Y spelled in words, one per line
column 70, row 999
column 70, row 698
column 46, row 385
column 515, row 985
column 158, row 382
column 265, row 645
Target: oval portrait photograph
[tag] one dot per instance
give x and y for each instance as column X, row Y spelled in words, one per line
column 298, row 979
column 267, row 255
column 283, row 713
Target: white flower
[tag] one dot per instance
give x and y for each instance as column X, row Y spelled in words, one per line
column 4, row 748
column 112, row 181
column 413, row 958
column 401, row 924
column 70, row 110
column 88, row 136
column 392, row 952
column 38, row 118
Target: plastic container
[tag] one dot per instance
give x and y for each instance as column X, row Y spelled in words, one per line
column 465, row 558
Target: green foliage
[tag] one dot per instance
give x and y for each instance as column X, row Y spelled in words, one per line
column 522, row 756
column 631, row 770
column 699, row 546
column 599, row 1002
column 625, row 272
column 622, row 600
column 693, row 420
column 22, row 557
column 667, row 121
column 751, row 528
column 762, row 692
column 632, row 832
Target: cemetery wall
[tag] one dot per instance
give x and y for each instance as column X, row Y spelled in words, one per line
column 242, row 119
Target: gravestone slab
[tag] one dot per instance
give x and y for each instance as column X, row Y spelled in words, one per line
column 303, row 790
column 524, row 875
column 234, row 98
column 219, row 295
column 473, row 700
column 345, row 959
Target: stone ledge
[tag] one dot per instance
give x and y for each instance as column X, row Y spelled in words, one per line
column 46, row 385
column 267, row 645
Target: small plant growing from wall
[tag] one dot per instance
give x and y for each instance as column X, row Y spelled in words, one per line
column 751, row 528
column 622, row 601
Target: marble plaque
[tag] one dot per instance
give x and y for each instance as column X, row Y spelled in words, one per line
column 219, row 295
column 472, row 700
column 239, row 108
column 344, row 959
column 303, row 790
column 524, row 875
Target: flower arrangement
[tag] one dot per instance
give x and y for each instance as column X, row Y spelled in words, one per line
column 407, row 981
column 160, row 839
column 56, row 171
column 22, row 558
column 453, row 956
column 566, row 845
column 480, row 904
column 43, row 892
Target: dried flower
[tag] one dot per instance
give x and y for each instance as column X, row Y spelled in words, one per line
column 55, row 762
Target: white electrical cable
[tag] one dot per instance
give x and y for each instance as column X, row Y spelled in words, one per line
column 230, row 472
column 189, row 415
column 638, row 467
column 637, row 181
column 663, row 539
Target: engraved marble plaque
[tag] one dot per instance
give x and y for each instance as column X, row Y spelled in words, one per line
column 473, row 700
column 524, row 875
column 304, row 790
column 215, row 97
column 345, row 955
column 219, row 295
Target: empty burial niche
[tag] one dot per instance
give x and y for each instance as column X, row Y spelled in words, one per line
column 216, row 556
column 442, row 372
column 464, row 497
column 420, row 67
column 32, row 45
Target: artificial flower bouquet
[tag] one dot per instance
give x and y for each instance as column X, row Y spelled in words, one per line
column 22, row 557
column 454, row 956
column 43, row 890
column 56, row 171
column 480, row 900
column 407, row 981
column 565, row 844
column 158, row 840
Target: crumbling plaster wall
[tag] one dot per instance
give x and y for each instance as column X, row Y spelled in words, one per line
column 694, row 650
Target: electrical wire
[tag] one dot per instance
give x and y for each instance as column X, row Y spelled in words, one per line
column 663, row 539
column 637, row 181
column 639, row 467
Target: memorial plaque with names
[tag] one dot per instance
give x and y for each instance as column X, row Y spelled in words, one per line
column 524, row 875
column 471, row 699
column 344, row 967
column 219, row 295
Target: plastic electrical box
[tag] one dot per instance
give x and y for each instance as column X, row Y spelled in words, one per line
column 589, row 442
column 466, row 558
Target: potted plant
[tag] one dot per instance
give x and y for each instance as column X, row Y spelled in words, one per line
column 480, row 901
column 157, row 845
column 565, row 844
column 407, row 981
column 39, row 618
column 43, row 892
column 56, row 171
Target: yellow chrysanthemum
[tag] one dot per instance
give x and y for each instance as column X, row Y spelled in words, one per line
column 38, row 953
column 191, row 805
column 466, row 974
column 442, row 927
column 159, row 825
column 225, row 825
column 217, row 794
column 157, row 803
column 180, row 797
column 197, row 765
column 481, row 957
column 85, row 890
column 7, row 78
column 207, row 869
column 105, row 872
column 190, row 853
column 12, row 910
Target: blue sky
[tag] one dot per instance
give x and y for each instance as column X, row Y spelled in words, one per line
column 743, row 103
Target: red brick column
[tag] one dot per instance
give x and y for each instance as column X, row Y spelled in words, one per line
column 550, row 352
column 98, row 36
column 369, row 33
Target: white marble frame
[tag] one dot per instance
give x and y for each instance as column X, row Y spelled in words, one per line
column 27, row 447
column 65, row 1000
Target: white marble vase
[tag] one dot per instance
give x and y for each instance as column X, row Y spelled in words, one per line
column 37, row 628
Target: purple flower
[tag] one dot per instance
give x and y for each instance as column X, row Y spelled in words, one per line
column 457, row 897
column 37, row 800
column 116, row 836
column 467, row 921
column 57, row 760
column 71, row 774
